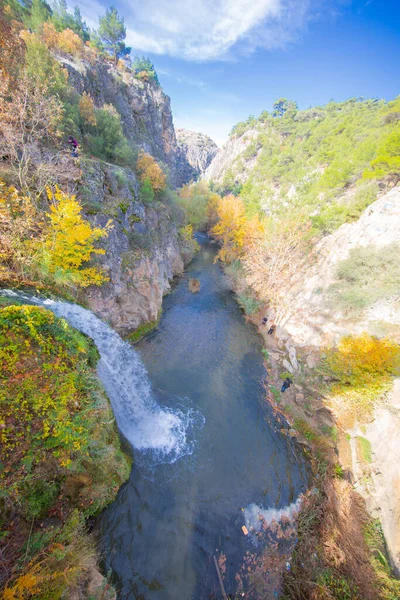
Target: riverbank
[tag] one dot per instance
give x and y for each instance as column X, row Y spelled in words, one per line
column 341, row 550
column 61, row 457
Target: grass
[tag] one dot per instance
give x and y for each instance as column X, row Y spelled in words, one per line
column 370, row 274
column 276, row 394
column 143, row 330
column 330, row 432
column 365, row 450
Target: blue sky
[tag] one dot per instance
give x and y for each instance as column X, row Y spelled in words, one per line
column 222, row 60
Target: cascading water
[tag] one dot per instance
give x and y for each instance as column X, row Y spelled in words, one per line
column 147, row 426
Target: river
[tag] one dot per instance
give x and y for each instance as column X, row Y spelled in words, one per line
column 234, row 467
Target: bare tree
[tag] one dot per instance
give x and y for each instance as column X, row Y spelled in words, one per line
column 29, row 116
column 274, row 267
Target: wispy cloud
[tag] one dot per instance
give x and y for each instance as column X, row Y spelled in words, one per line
column 203, row 30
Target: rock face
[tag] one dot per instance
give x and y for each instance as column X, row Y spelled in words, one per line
column 309, row 321
column 144, row 109
column 232, row 157
column 142, row 249
column 197, row 151
column 383, row 434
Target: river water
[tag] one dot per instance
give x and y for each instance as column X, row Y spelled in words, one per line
column 234, row 467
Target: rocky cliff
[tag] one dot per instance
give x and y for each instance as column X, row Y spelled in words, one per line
column 238, row 155
column 144, row 108
column 310, row 320
column 143, row 250
column 197, row 151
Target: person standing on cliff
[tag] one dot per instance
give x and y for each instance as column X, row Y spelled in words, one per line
column 286, row 384
column 74, row 146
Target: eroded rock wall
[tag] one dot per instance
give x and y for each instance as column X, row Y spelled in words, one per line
column 197, row 150
column 143, row 253
column 308, row 319
column 144, row 108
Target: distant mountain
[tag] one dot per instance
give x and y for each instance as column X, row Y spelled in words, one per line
column 197, row 149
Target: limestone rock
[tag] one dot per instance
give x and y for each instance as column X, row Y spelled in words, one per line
column 144, row 108
column 98, row 587
column 229, row 157
column 309, row 320
column 198, row 150
column 194, row 285
column 142, row 248
column 287, row 365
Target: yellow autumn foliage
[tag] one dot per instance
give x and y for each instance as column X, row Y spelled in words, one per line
column 86, row 109
column 53, row 247
column 149, row 169
column 234, row 230
column 70, row 240
column 362, row 367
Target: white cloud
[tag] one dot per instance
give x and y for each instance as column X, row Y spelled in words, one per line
column 212, row 29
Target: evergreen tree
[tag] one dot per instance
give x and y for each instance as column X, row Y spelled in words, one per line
column 112, row 32
column 39, row 14
column 81, row 28
column 282, row 106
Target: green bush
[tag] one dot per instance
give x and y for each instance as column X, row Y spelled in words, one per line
column 146, row 192
column 249, row 304
column 109, row 141
column 40, row 496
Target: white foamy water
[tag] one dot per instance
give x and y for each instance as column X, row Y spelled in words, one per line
column 146, row 425
column 255, row 516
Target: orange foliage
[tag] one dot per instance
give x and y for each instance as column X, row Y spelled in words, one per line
column 66, row 41
column 50, row 35
column 364, row 360
column 70, row 42
column 233, row 230
column 149, row 169
column 11, row 52
column 86, row 109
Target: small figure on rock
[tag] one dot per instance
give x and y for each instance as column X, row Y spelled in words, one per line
column 264, row 321
column 286, row 384
column 271, row 330
column 74, row 146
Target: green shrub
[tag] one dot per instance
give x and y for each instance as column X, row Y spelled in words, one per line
column 39, row 498
column 338, row 586
column 109, row 141
column 146, row 192
column 248, row 304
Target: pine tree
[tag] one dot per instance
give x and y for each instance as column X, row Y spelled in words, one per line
column 112, row 32
column 39, row 14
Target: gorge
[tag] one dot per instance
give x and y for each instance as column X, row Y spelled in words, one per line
column 156, row 291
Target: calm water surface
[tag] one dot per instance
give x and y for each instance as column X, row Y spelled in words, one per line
column 161, row 533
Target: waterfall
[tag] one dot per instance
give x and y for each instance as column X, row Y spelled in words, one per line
column 147, row 426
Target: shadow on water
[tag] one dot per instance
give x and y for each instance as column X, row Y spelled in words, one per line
column 161, row 533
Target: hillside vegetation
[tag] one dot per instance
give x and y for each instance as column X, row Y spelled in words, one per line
column 308, row 160
column 60, row 454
